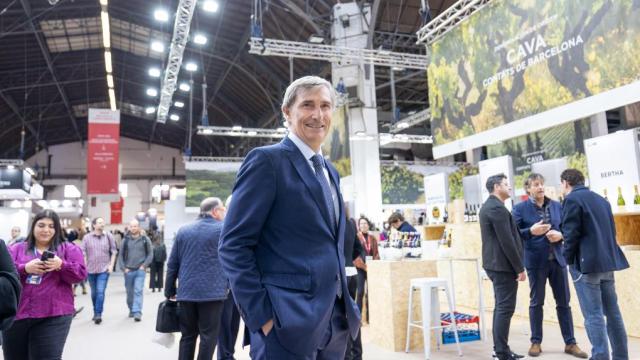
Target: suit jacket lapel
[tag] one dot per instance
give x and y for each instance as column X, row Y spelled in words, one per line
column 333, row 175
column 308, row 177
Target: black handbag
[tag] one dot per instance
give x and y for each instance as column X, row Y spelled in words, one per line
column 167, row 320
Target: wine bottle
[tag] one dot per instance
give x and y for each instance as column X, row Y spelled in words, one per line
column 466, row 213
column 449, row 239
column 620, row 198
column 474, row 214
column 636, row 198
column 605, row 195
column 445, row 219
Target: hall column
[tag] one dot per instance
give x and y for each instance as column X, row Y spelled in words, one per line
column 350, row 29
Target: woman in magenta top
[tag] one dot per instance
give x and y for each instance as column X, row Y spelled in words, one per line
column 46, row 304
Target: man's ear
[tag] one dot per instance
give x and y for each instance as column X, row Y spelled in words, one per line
column 286, row 113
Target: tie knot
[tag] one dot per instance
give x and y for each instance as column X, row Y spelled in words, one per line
column 317, row 161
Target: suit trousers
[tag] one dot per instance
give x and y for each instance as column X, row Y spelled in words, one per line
column 559, row 281
column 199, row 319
column 354, row 347
column 332, row 347
column 505, row 289
column 229, row 326
column 156, row 271
column 362, row 285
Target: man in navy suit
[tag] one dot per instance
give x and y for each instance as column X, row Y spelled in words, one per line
column 538, row 220
column 282, row 244
column 591, row 250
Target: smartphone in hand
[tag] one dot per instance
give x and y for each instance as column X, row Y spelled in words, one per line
column 46, row 255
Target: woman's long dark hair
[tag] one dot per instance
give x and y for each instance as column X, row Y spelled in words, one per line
column 58, row 237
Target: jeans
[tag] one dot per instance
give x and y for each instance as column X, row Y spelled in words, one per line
column 559, row 282
column 505, row 289
column 98, row 284
column 134, row 283
column 598, row 299
column 199, row 319
column 36, row 339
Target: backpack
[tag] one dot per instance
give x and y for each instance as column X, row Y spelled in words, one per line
column 125, row 248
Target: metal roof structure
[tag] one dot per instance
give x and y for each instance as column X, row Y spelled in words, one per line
column 52, row 68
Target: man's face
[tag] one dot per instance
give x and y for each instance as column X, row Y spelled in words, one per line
column 15, row 232
column 99, row 225
column 565, row 187
column 134, row 228
column 310, row 115
column 219, row 213
column 503, row 190
column 536, row 189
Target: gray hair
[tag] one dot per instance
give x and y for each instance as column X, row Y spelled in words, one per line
column 531, row 178
column 208, row 204
column 305, row 83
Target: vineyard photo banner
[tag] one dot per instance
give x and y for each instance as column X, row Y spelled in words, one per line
column 516, row 67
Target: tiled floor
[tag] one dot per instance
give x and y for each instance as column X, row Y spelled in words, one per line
column 119, row 337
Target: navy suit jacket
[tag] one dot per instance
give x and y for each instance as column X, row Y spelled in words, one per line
column 590, row 233
column 536, row 248
column 282, row 256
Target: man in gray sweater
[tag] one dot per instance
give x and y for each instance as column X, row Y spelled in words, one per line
column 134, row 257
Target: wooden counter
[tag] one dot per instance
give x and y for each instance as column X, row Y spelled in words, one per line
column 388, row 301
column 466, row 243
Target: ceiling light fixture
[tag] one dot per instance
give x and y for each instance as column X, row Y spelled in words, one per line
column 199, row 39
column 154, row 72
column 161, row 15
column 152, row 92
column 106, row 33
column 174, row 117
column 107, row 62
column 150, row 110
column 110, row 80
column 236, row 128
column 191, row 66
column 157, row 46
column 178, row 104
column 210, row 6
column 112, row 99
column 316, row 39
column 184, row 87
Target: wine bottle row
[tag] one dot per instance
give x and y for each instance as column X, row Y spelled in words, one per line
column 471, row 213
column 620, row 201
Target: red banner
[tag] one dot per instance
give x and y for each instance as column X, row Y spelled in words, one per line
column 116, row 211
column 103, row 152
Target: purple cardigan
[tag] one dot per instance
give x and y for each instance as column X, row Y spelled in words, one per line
column 54, row 295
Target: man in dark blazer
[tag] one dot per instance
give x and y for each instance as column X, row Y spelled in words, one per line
column 538, row 220
column 282, row 244
column 502, row 260
column 591, row 250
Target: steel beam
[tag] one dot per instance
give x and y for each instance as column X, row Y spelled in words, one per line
column 14, row 107
column 47, row 56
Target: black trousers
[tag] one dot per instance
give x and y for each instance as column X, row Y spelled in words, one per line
column 354, row 347
column 199, row 319
column 362, row 284
column 229, row 326
column 156, row 271
column 505, row 289
column 36, row 339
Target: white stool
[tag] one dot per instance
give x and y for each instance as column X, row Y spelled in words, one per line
column 429, row 288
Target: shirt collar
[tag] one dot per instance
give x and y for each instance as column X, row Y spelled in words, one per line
column 306, row 151
column 544, row 203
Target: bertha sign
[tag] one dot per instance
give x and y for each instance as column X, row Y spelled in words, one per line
column 516, row 67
